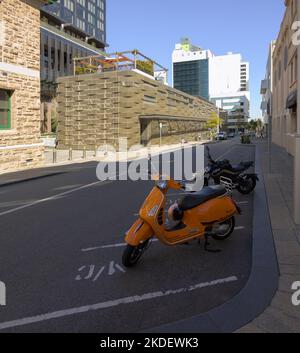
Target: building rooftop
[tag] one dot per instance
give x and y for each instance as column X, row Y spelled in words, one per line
column 119, row 61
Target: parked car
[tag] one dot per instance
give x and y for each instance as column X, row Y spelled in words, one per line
column 221, row 136
column 231, row 135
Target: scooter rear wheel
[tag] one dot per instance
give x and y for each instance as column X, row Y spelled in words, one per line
column 132, row 254
column 223, row 235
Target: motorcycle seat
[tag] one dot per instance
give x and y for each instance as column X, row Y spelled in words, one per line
column 192, row 200
column 242, row 166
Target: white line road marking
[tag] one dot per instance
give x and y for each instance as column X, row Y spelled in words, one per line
column 57, row 196
column 112, row 303
column 105, row 247
column 121, row 245
column 67, row 187
column 230, row 149
column 242, row 202
column 51, row 198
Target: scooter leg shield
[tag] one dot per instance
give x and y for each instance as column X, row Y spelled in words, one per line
column 138, row 233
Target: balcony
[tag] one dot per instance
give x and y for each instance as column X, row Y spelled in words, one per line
column 265, row 85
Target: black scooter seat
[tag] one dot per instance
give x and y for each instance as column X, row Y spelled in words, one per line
column 192, row 200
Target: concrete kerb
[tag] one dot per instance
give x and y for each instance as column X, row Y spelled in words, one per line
column 262, row 284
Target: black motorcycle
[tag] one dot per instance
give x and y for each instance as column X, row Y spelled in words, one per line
column 220, row 170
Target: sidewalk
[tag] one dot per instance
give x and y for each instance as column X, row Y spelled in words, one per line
column 63, row 156
column 281, row 315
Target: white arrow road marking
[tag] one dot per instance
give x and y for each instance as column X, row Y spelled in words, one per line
column 113, row 303
column 112, row 267
column 91, row 271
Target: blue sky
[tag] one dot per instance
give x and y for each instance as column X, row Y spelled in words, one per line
column 154, row 26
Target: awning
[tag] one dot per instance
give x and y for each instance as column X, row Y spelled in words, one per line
column 172, row 118
column 291, row 101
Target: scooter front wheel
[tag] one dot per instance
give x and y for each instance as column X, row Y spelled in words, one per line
column 224, row 230
column 132, row 254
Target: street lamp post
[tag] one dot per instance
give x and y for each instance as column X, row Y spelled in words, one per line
column 160, row 133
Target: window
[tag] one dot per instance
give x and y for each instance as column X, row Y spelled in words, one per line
column 5, row 109
column 80, row 23
column 292, row 72
column 91, row 7
column 100, row 25
column 100, row 4
column 279, row 71
column 69, row 5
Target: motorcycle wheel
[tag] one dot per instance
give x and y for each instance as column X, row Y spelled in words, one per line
column 251, row 184
column 206, row 182
column 132, row 254
column 220, row 234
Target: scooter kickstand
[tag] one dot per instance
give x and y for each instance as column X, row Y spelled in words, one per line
column 206, row 244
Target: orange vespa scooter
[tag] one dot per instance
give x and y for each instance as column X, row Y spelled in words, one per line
column 210, row 212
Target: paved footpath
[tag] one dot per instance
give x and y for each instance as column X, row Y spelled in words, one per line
column 281, row 315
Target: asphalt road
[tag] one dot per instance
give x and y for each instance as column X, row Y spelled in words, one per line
column 61, row 245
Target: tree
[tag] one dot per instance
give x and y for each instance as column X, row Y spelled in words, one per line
column 214, row 121
column 252, row 125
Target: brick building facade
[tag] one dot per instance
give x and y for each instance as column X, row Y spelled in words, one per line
column 20, row 143
column 97, row 109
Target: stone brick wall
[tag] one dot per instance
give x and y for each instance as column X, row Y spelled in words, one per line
column 99, row 108
column 20, row 146
column 284, row 121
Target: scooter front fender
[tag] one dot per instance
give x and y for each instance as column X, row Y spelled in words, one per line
column 140, row 232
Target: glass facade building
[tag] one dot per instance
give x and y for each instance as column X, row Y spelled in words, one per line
column 192, row 77
column 89, row 16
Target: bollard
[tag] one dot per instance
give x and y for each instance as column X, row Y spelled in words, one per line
column 70, row 154
column 96, row 149
column 84, row 153
column 54, row 156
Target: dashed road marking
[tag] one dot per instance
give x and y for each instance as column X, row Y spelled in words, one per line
column 113, row 303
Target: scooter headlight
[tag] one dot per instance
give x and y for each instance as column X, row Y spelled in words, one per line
column 162, row 185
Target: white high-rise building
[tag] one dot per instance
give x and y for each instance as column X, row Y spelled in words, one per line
column 223, row 79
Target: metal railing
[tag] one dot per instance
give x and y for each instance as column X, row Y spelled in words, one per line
column 128, row 60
